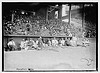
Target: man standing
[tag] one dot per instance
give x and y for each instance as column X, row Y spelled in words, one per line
column 22, row 45
column 73, row 41
column 40, row 43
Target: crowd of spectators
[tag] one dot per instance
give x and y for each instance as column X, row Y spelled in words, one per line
column 29, row 25
column 38, row 25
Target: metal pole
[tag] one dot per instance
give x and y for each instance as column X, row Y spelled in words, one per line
column 69, row 14
column 83, row 16
column 83, row 21
column 60, row 11
column 12, row 17
column 47, row 14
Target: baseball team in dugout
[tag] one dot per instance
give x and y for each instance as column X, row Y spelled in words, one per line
column 40, row 43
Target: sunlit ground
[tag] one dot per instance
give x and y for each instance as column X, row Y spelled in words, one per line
column 52, row 58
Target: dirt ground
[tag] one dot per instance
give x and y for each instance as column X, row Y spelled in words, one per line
column 52, row 58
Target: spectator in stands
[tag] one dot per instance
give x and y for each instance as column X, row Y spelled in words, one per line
column 69, row 33
column 11, row 44
column 83, row 34
column 89, row 33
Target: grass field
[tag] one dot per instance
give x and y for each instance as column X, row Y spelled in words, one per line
column 52, row 58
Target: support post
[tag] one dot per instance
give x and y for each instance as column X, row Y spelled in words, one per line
column 83, row 16
column 47, row 14
column 69, row 14
column 60, row 11
column 12, row 19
